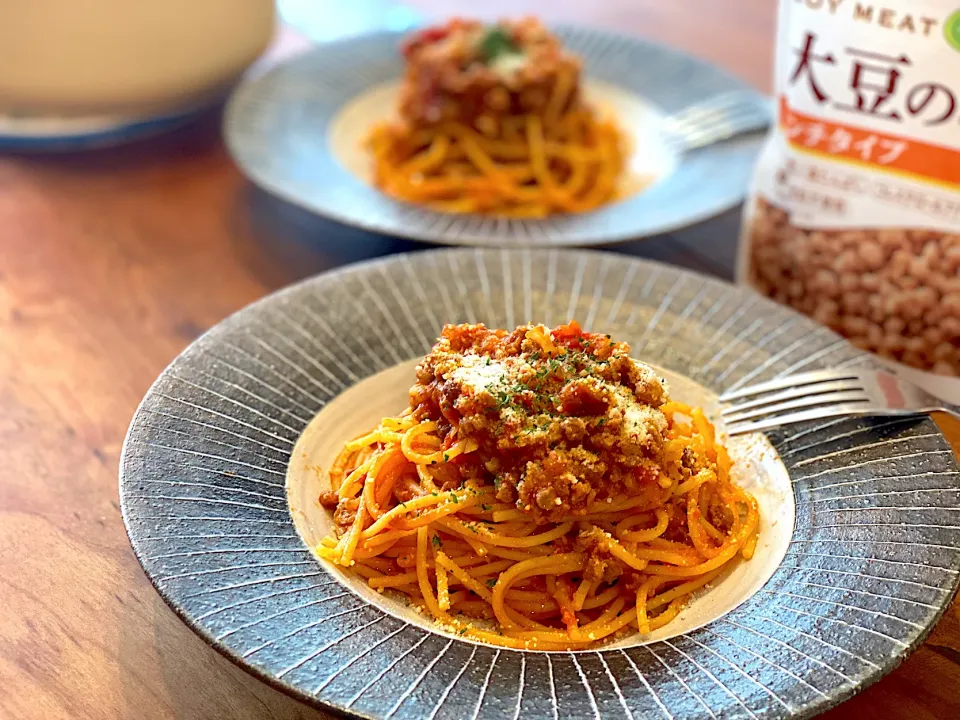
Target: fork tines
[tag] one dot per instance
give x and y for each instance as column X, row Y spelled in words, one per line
column 790, row 381
column 806, row 396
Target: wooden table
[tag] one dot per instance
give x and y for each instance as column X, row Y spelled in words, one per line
column 109, row 265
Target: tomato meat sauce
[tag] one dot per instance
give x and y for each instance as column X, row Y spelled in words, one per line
column 563, row 418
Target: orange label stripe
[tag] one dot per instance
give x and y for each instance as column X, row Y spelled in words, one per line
column 877, row 150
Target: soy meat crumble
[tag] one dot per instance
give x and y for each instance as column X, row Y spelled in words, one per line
column 566, row 418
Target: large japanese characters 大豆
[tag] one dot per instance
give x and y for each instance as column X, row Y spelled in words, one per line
column 854, row 217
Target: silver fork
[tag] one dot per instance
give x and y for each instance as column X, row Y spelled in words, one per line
column 822, row 394
column 718, row 118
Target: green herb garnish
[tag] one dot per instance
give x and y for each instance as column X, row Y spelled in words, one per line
column 497, row 42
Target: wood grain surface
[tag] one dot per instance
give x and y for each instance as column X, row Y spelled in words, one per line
column 110, row 264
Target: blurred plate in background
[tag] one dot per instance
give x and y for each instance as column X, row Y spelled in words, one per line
column 64, row 134
column 298, row 132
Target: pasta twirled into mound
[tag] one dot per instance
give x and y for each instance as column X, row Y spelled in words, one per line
column 492, row 120
column 541, row 491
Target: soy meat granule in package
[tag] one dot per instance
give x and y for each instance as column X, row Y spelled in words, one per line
column 854, row 217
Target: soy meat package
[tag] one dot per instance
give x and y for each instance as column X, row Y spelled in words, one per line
column 854, row 216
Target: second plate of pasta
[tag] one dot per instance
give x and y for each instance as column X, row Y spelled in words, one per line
column 504, row 134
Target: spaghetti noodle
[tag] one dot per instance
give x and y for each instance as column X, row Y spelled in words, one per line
column 492, row 121
column 542, row 491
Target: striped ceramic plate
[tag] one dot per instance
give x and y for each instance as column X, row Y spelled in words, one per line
column 859, row 549
column 298, row 131
column 55, row 135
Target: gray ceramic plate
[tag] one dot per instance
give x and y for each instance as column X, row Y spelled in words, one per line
column 855, row 564
column 298, row 132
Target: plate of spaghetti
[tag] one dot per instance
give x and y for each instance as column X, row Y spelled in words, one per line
column 485, row 483
column 474, row 133
column 492, row 119
column 541, row 490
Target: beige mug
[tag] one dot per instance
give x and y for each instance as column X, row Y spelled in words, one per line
column 74, row 58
